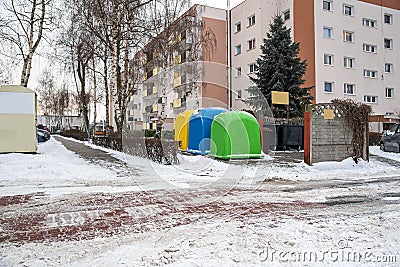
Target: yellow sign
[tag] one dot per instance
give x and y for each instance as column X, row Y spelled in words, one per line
column 329, row 114
column 177, row 103
column 280, row 98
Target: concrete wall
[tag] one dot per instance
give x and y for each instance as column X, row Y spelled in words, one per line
column 330, row 139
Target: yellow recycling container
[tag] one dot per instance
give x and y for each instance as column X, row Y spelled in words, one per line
column 182, row 129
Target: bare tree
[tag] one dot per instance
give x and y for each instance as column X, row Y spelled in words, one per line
column 54, row 99
column 83, row 55
column 23, row 27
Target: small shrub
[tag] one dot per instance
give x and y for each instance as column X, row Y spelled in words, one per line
column 76, row 134
column 374, row 138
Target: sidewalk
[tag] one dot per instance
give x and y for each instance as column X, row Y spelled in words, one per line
column 97, row 156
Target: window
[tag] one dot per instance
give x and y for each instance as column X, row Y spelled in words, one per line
column 328, row 32
column 388, row 67
column 238, row 72
column 388, row 43
column 369, row 23
column 328, row 87
column 348, row 36
column 251, row 20
column 348, row 10
column 369, row 48
column 388, row 18
column 238, row 27
column 349, row 62
column 251, row 44
column 327, row 5
column 389, row 92
column 239, row 93
column 328, row 59
column 370, row 74
column 252, row 68
column 238, row 49
column 349, row 89
column 370, row 99
column 286, row 15
column 135, row 106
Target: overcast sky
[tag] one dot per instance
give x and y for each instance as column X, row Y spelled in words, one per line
column 217, row 3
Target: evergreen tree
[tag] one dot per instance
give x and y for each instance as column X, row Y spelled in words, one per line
column 280, row 69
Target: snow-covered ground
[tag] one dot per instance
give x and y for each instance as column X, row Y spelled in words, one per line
column 54, row 170
column 58, row 209
column 375, row 150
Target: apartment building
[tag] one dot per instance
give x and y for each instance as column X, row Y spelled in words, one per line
column 352, row 48
column 182, row 68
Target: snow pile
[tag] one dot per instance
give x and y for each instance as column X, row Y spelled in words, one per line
column 346, row 169
column 375, row 150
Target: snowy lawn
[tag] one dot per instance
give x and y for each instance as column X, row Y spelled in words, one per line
column 208, row 170
column 55, row 171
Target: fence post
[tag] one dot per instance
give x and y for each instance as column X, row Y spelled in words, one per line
column 307, row 137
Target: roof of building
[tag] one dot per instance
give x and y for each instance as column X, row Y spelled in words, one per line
column 15, row 89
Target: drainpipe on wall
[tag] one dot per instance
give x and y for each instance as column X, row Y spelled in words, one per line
column 229, row 55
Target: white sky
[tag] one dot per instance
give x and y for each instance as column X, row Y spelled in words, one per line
column 217, row 3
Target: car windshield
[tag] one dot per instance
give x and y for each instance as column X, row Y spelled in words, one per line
column 392, row 130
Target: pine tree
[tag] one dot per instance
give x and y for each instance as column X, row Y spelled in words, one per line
column 280, row 69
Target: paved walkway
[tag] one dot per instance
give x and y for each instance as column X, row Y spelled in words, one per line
column 96, row 156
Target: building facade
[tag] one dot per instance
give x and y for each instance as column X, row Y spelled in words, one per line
column 182, row 68
column 352, row 48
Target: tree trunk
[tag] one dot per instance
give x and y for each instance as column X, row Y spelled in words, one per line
column 107, row 90
column 32, row 44
column 94, row 92
column 82, row 93
column 115, row 67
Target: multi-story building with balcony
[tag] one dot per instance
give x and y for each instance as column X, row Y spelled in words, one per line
column 182, row 68
column 352, row 48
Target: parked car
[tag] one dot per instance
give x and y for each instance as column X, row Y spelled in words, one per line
column 42, row 135
column 390, row 140
column 98, row 129
column 43, row 127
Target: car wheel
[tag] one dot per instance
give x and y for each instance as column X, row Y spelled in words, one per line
column 382, row 146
